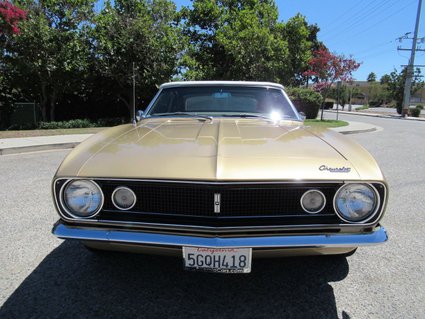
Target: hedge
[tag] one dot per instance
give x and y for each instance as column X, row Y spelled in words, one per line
column 306, row 101
column 416, row 112
column 81, row 123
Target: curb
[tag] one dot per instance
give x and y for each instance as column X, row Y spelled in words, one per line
column 368, row 130
column 396, row 117
column 36, row 148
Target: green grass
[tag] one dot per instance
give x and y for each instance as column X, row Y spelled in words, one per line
column 325, row 123
column 31, row 133
column 364, row 107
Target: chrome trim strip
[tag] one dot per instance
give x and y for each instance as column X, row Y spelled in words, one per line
column 310, row 211
column 281, row 88
column 126, row 188
column 265, row 182
column 181, row 227
column 378, row 236
column 148, row 108
column 217, row 203
column 95, row 222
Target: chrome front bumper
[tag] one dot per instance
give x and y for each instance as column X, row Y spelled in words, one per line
column 121, row 236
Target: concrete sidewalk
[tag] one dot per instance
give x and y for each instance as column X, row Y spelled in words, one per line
column 388, row 116
column 356, row 127
column 40, row 143
column 44, row 143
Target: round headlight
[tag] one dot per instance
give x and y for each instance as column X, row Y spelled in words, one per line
column 123, row 198
column 356, row 202
column 313, row 201
column 82, row 198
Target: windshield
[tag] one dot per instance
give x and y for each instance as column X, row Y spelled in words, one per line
column 234, row 101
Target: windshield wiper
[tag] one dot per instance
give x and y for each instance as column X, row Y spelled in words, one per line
column 206, row 117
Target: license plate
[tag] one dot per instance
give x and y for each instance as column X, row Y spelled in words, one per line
column 226, row 260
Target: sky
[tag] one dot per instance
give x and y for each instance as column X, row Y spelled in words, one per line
column 367, row 29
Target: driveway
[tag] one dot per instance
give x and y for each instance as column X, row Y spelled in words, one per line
column 44, row 277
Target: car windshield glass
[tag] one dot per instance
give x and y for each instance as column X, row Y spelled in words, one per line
column 229, row 101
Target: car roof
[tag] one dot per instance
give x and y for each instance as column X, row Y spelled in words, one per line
column 226, row 83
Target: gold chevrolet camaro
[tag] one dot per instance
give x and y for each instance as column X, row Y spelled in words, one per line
column 219, row 172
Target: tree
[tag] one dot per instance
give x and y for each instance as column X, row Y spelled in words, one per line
column 302, row 38
column 385, row 79
column 377, row 94
column 141, row 32
column 395, row 86
column 10, row 16
column 371, row 77
column 48, row 57
column 327, row 68
column 234, row 40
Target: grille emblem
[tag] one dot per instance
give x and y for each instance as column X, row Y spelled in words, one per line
column 217, row 202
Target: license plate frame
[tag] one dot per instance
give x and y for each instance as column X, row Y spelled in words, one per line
column 220, row 260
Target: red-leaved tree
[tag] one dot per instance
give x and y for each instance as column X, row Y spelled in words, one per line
column 327, row 68
column 10, row 16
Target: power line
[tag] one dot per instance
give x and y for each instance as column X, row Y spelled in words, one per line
column 377, row 53
column 373, row 48
column 361, row 16
column 387, row 17
column 360, row 23
column 380, row 21
column 353, row 16
column 340, row 16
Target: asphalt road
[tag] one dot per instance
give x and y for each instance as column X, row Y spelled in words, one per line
column 44, row 277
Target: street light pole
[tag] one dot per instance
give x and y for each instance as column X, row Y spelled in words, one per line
column 409, row 68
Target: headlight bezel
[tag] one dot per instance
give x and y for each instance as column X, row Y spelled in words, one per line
column 65, row 207
column 370, row 216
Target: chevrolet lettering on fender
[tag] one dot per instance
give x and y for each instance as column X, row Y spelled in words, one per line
column 335, row 169
column 219, row 173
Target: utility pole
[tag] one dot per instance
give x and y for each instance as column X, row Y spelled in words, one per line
column 409, row 69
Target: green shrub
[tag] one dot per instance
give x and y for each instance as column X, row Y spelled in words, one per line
column 375, row 103
column 78, row 123
column 306, row 101
column 415, row 112
column 81, row 123
column 419, row 106
column 364, row 107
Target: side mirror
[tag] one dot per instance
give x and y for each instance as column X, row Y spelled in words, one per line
column 139, row 115
column 303, row 116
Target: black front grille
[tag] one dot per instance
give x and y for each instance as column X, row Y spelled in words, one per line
column 177, row 203
column 242, row 204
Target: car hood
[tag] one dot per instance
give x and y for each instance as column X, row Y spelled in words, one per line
column 221, row 150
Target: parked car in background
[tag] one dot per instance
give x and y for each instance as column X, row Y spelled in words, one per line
column 220, row 173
